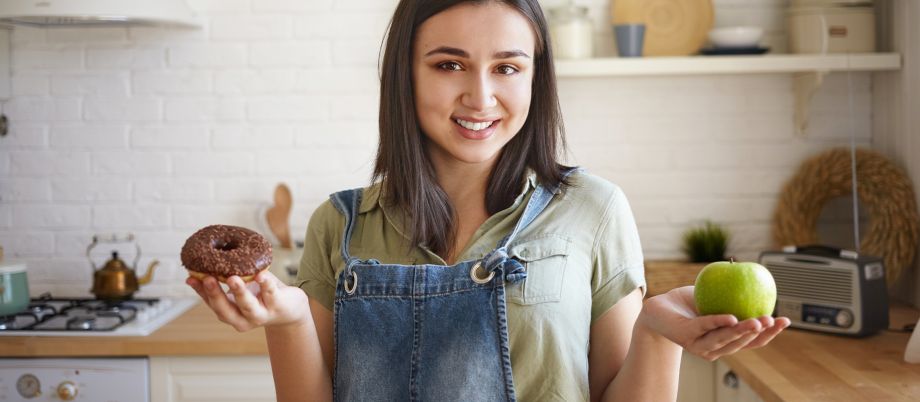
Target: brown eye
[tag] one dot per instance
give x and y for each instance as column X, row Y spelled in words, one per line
column 506, row 70
column 449, row 66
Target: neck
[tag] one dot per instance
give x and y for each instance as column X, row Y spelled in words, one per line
column 465, row 183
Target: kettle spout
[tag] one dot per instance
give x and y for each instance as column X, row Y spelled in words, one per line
column 149, row 274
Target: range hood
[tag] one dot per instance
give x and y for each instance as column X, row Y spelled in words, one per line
column 45, row 13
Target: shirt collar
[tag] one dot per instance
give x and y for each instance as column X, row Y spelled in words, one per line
column 396, row 217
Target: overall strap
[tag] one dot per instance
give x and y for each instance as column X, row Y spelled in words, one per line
column 498, row 258
column 538, row 202
column 347, row 202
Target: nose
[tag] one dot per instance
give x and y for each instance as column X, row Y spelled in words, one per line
column 479, row 93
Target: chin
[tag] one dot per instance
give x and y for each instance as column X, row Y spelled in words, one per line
column 475, row 156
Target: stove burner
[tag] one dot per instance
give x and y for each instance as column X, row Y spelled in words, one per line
column 78, row 314
column 38, row 308
column 18, row 321
column 84, row 322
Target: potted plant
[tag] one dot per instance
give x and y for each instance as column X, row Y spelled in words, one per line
column 706, row 243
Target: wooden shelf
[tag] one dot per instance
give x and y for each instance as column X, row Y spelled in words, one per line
column 808, row 69
column 758, row 64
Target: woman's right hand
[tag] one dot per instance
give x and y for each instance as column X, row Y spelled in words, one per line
column 266, row 301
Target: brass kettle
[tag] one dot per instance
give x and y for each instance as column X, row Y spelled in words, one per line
column 116, row 280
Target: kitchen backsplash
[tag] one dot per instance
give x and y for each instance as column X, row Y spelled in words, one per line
column 161, row 131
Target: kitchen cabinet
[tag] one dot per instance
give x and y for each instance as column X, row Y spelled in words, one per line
column 705, row 381
column 206, row 379
column 697, row 379
column 730, row 388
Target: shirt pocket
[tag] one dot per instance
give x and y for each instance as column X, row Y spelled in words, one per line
column 545, row 259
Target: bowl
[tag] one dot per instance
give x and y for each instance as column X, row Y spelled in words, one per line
column 735, row 37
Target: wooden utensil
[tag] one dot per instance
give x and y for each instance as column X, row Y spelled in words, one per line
column 277, row 215
column 672, row 27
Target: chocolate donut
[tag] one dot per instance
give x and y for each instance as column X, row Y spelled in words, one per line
column 222, row 251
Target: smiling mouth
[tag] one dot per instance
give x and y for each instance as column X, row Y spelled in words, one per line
column 474, row 126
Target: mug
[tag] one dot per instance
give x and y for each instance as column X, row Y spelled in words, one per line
column 630, row 39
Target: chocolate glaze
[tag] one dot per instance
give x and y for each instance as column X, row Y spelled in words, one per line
column 224, row 250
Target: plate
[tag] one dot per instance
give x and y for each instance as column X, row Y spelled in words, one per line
column 722, row 51
column 672, row 27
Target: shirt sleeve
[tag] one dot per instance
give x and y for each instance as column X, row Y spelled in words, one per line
column 618, row 267
column 316, row 275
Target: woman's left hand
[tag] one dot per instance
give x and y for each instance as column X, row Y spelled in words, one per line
column 674, row 316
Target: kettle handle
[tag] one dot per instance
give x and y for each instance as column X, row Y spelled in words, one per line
column 113, row 238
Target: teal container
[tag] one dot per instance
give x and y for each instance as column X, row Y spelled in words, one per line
column 14, row 288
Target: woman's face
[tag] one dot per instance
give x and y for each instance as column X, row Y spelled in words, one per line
column 472, row 70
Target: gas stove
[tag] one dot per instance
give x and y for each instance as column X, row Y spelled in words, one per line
column 48, row 316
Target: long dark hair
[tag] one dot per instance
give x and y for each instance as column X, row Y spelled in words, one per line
column 408, row 176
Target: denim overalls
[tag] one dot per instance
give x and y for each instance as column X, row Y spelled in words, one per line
column 425, row 332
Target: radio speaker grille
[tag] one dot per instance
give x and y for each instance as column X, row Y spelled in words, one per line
column 813, row 283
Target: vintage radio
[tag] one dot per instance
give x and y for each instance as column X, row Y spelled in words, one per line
column 829, row 290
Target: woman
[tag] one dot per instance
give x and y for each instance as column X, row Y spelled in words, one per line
column 475, row 267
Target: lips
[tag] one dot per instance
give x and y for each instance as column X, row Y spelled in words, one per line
column 476, row 130
column 474, row 125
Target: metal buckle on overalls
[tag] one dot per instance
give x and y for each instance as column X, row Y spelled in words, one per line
column 476, row 278
column 354, row 283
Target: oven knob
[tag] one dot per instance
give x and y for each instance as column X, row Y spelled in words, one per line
column 67, row 391
column 844, row 319
column 29, row 386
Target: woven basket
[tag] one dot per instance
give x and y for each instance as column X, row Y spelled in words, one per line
column 883, row 188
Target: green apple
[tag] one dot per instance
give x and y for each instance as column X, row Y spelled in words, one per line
column 743, row 289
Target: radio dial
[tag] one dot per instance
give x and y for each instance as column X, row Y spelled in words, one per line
column 67, row 391
column 844, row 318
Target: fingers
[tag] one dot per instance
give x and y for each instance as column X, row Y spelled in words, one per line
column 197, row 286
column 768, row 329
column 768, row 334
column 225, row 309
column 269, row 285
column 711, row 322
column 737, row 344
column 246, row 301
column 726, row 336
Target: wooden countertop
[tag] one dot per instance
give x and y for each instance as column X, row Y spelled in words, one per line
column 198, row 332
column 800, row 365
column 797, row 366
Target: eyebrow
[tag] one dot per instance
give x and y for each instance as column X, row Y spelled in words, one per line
column 505, row 54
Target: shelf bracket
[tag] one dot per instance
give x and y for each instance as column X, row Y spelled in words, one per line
column 805, row 85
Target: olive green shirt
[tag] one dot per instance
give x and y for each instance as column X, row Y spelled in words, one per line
column 582, row 255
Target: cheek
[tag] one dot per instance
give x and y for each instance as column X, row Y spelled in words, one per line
column 432, row 96
column 518, row 99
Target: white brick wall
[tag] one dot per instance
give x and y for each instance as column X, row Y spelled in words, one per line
column 161, row 131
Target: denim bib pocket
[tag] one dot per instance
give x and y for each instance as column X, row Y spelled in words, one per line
column 545, row 259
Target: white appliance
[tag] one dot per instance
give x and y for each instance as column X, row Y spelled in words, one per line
column 73, row 379
column 48, row 316
column 96, row 12
column 110, row 379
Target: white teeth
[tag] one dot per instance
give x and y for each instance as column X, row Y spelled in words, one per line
column 474, row 126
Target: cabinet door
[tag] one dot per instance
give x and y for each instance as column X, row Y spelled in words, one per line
column 730, row 388
column 211, row 379
column 697, row 379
